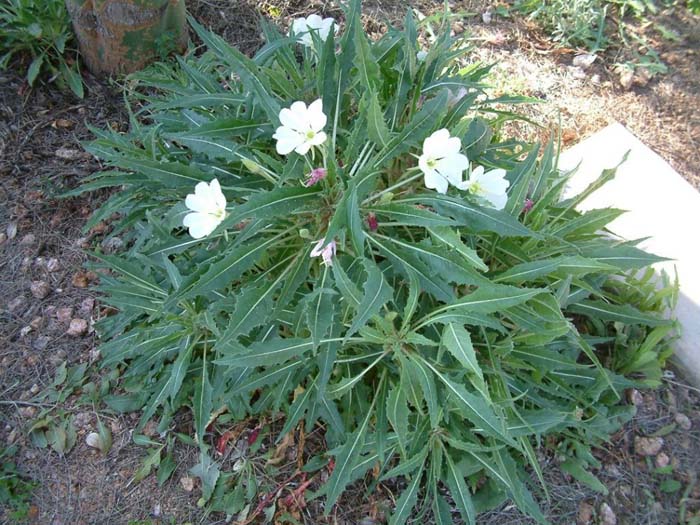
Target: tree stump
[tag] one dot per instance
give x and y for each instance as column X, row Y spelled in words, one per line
column 122, row 36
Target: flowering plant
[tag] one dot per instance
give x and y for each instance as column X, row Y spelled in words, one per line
column 362, row 251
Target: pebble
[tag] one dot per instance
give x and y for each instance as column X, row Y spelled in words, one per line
column 3, row 238
column 607, row 516
column 187, row 483
column 86, row 306
column 11, row 230
column 662, row 460
column 64, row 314
column 36, row 323
column 648, row 446
column 67, row 153
column 16, row 304
column 41, row 342
column 683, row 421
column 40, row 289
column 53, row 265
column 634, row 397
column 24, row 332
column 585, row 513
column 584, row 61
column 77, row 327
column 28, row 239
column 80, row 280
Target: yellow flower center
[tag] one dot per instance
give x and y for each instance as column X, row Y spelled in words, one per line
column 432, row 164
column 310, row 134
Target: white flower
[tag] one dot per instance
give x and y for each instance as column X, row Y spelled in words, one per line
column 441, row 162
column 326, row 252
column 491, row 186
column 313, row 23
column 301, row 128
column 208, row 207
column 421, row 55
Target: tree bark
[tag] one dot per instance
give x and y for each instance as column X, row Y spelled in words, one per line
column 122, row 36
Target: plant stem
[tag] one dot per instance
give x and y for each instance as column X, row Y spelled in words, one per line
column 391, row 188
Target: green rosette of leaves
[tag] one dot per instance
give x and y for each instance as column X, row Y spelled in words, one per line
column 335, row 229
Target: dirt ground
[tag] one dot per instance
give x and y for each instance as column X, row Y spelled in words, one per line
column 46, row 305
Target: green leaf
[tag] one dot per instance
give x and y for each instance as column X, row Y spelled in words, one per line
column 321, row 307
column 269, row 204
column 566, row 265
column 409, row 215
column 346, row 460
column 377, row 292
column 252, row 76
column 261, row 353
column 488, row 299
column 471, row 216
column 612, row 312
column 376, row 127
column 397, row 412
column 475, row 409
column 451, row 239
column 34, row 69
column 575, row 468
column 408, row 499
column 364, row 60
column 415, row 131
column 622, row 256
column 458, row 342
column 460, row 492
column 223, row 272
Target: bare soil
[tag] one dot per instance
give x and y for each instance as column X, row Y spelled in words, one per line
column 43, row 287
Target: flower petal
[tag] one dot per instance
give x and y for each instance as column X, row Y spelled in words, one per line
column 316, row 117
column 435, row 145
column 200, row 224
column 434, row 181
column 287, row 140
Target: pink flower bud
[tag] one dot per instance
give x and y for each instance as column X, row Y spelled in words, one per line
column 528, row 205
column 372, row 222
column 316, row 175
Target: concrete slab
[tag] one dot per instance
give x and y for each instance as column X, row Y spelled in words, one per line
column 662, row 205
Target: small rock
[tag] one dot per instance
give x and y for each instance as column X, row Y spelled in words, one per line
column 86, row 306
column 25, row 264
column 77, row 327
column 80, row 280
column 62, row 123
column 626, row 78
column 28, row 239
column 487, row 17
column 585, row 513
column 16, row 304
column 67, row 153
column 34, row 389
column 3, row 238
column 150, row 429
column 584, row 61
column 634, row 397
column 156, row 510
column 683, row 421
column 40, row 289
column 11, row 230
column 27, row 412
column 64, row 314
column 112, row 244
column 577, row 72
column 662, row 460
column 595, row 79
column 187, row 483
column 93, row 440
column 53, row 265
column 607, row 516
column 94, row 355
column 41, row 342
column 24, row 332
column 648, row 446
column 36, row 323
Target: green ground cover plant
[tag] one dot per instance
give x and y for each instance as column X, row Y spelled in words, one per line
column 588, row 24
column 40, row 30
column 336, row 229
